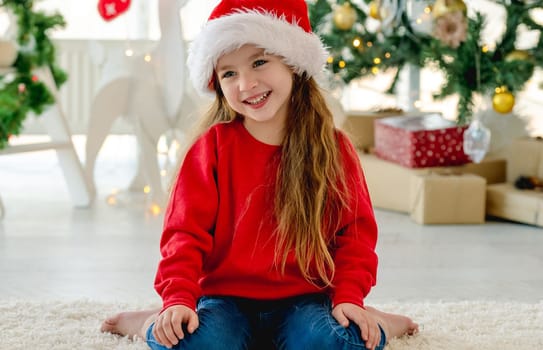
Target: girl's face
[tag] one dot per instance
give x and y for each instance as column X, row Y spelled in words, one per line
column 257, row 86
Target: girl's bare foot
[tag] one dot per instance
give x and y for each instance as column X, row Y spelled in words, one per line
column 394, row 325
column 131, row 324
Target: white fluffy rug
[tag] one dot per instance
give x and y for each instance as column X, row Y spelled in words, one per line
column 444, row 326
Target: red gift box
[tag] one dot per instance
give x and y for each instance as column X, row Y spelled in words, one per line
column 417, row 141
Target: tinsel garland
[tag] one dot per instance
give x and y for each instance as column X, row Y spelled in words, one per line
column 21, row 92
column 470, row 68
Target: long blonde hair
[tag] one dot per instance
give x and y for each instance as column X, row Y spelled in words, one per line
column 310, row 183
column 310, row 186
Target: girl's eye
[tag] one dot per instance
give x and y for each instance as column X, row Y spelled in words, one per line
column 228, row 74
column 258, row 63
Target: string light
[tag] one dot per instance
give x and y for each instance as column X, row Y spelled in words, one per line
column 129, row 52
column 342, row 64
column 147, row 58
column 112, row 198
column 377, row 60
column 357, row 42
column 155, row 209
column 330, row 60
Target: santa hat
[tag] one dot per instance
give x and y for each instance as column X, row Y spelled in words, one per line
column 280, row 27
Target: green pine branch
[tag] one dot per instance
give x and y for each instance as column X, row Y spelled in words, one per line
column 472, row 68
column 21, row 93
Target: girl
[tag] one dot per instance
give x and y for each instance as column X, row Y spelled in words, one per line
column 270, row 232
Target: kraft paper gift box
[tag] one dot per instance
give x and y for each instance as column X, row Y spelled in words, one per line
column 525, row 157
column 358, row 125
column 389, row 183
column 507, row 202
column 420, row 141
column 448, row 199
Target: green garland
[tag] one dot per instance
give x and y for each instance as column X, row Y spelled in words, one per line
column 470, row 68
column 21, row 92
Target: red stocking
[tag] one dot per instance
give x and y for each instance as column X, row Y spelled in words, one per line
column 109, row 9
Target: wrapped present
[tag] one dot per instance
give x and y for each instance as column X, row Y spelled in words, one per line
column 531, row 161
column 448, row 199
column 389, row 183
column 506, row 202
column 416, row 141
column 358, row 125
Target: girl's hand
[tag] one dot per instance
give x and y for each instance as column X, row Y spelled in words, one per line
column 168, row 325
column 369, row 328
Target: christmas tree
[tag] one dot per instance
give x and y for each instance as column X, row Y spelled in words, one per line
column 368, row 37
column 21, row 91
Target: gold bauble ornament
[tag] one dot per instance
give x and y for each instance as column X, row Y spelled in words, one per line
column 518, row 55
column 344, row 16
column 443, row 7
column 375, row 9
column 503, row 101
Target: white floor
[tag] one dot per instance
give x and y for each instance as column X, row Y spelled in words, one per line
column 51, row 250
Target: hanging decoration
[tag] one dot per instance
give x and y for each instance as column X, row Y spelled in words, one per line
column 344, row 16
column 476, row 140
column 503, row 101
column 8, row 52
column 21, row 92
column 374, row 10
column 452, row 42
column 110, row 9
column 442, row 8
column 451, row 26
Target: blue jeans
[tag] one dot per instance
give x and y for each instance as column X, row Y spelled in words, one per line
column 305, row 322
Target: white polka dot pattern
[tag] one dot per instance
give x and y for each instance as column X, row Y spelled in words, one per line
column 418, row 141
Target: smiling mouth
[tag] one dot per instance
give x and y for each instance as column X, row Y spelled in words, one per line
column 259, row 99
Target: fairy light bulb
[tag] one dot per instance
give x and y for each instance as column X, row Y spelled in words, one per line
column 176, row 145
column 357, row 42
column 147, row 189
column 342, row 64
column 129, row 52
column 155, row 209
column 111, row 199
column 147, row 58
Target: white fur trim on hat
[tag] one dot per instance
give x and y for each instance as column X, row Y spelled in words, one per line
column 301, row 50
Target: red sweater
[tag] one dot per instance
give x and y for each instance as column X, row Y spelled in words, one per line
column 218, row 229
